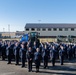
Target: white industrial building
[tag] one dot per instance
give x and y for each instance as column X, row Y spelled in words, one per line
column 51, row 29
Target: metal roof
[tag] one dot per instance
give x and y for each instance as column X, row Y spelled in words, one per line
column 50, row 25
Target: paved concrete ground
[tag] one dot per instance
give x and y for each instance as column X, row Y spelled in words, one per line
column 69, row 68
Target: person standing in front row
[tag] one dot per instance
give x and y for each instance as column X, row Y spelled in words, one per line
column 29, row 59
column 16, row 53
column 37, row 58
column 23, row 55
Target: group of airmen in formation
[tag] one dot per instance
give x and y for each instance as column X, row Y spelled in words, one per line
column 36, row 53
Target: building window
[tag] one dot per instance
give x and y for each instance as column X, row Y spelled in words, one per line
column 66, row 29
column 44, row 29
column 72, row 29
column 49, row 29
column 27, row 29
column 55, row 29
column 60, row 29
column 32, row 29
column 38, row 29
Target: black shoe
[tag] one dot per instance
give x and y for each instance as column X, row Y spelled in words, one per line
column 8, row 63
column 29, row 71
column 61, row 64
column 22, row 66
column 16, row 64
column 44, row 67
column 37, row 71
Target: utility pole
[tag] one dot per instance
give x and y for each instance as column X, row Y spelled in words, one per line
column 9, row 29
column 3, row 29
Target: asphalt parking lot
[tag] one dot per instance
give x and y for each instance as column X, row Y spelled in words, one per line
column 69, row 68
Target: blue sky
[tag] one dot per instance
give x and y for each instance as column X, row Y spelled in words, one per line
column 17, row 13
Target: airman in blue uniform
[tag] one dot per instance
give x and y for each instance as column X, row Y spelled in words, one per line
column 45, row 56
column 30, row 59
column 9, row 53
column 23, row 55
column 3, row 50
column 53, row 55
column 69, row 52
column 61, row 54
column 37, row 58
column 16, row 53
column 74, row 51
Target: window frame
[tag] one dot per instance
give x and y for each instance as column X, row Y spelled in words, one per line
column 27, row 29
column 43, row 29
column 54, row 29
column 32, row 29
column 38, row 29
column 49, row 29
column 72, row 29
column 60, row 29
column 66, row 29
